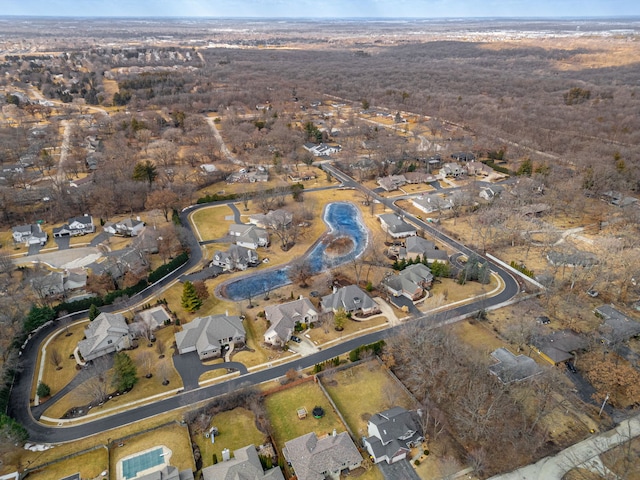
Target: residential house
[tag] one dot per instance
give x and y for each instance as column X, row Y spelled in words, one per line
column 560, row 346
column 452, row 170
column 511, row 368
column 210, row 336
column 392, row 434
column 491, row 192
column 418, row 246
column 167, row 472
column 29, row 235
column 463, row 156
column 119, row 262
column 432, row 203
column 235, row 258
column 574, row 258
column 352, row 299
column 392, row 182
column 283, row 319
column 314, row 458
column 478, row 169
column 616, row 326
column 249, row 236
column 127, row 228
column 618, row 199
column 155, row 317
column 50, row 284
column 107, row 333
column 75, row 279
column 245, row 465
column 412, row 282
column 396, row 226
column 76, row 226
column 419, row 177
column 322, row 149
column 278, row 217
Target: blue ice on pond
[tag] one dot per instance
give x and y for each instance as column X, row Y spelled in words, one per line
column 343, row 220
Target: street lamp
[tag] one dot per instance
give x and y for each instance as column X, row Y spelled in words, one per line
column 603, row 404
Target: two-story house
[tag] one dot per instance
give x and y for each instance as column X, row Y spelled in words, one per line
column 392, row 434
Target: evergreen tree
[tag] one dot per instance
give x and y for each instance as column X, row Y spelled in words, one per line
column 93, row 312
column 145, row 171
column 43, row 390
column 190, row 300
column 125, row 374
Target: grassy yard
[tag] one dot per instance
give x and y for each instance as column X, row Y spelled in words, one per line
column 212, row 222
column 145, row 387
column 174, row 436
column 88, row 465
column 283, row 406
column 237, row 429
column 363, row 390
column 63, row 344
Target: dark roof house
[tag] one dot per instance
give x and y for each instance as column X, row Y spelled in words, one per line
column 284, row 317
column 392, row 433
column 351, row 299
column 209, row 336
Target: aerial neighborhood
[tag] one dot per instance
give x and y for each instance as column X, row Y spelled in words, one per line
column 232, row 250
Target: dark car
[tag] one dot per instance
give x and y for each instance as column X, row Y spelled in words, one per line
column 295, row 339
column 571, row 367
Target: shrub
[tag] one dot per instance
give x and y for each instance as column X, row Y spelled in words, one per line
column 417, row 462
column 43, row 390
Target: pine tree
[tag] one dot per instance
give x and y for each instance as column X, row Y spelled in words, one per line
column 190, row 300
column 93, row 312
column 125, row 374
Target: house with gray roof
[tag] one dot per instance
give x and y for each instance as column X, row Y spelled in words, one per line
column 155, row 317
column 392, row 182
column 412, row 282
column 245, row 465
column 491, row 192
column 396, row 226
column 392, row 434
column 107, row 333
column 616, row 326
column 76, row 226
column 29, row 235
column 49, row 284
column 511, row 368
column 314, row 458
column 249, row 236
column 560, row 345
column 573, row 258
column 432, row 203
column 126, row 228
column 75, row 278
column 210, row 336
column 277, row 217
column 418, row 246
column 352, row 299
column 235, row 258
column 283, row 319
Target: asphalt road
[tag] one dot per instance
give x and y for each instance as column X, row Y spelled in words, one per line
column 19, row 400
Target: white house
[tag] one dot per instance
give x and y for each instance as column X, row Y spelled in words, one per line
column 396, row 226
column 235, row 258
column 127, row 228
column 29, row 234
column 76, row 226
column 322, row 149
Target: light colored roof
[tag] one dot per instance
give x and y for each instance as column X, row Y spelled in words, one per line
column 155, row 316
column 244, row 466
column 310, row 455
column 396, row 224
column 350, row 298
column 283, row 317
column 102, row 327
column 205, row 332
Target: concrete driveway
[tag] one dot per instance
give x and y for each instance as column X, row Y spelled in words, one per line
column 304, row 348
column 63, row 242
column 71, row 258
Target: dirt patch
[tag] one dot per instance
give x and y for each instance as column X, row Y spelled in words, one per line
column 337, row 246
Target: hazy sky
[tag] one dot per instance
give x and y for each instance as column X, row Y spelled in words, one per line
column 323, row 8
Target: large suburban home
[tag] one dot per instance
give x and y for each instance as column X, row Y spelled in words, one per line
column 411, row 282
column 107, row 333
column 392, row 434
column 314, row 458
column 29, row 234
column 283, row 319
column 351, row 299
column 559, row 346
column 392, row 182
column 415, row 246
column 432, row 203
column 49, row 285
column 245, row 465
column 616, row 327
column 322, row 149
column 249, row 236
column 452, row 170
column 127, row 228
column 76, row 226
column 396, row 226
column 235, row 258
column 210, row 336
column 491, row 192
column 276, row 218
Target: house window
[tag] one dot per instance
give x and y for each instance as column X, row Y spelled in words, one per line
column 109, row 342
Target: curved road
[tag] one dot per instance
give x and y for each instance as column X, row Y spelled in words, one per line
column 21, row 391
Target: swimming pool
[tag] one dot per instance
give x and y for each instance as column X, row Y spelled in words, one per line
column 343, row 219
column 131, row 466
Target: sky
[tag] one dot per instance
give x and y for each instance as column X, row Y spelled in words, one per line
column 322, row 8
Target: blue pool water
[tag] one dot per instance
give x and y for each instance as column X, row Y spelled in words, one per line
column 343, row 220
column 132, row 466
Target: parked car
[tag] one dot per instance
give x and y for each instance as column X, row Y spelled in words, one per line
column 571, row 367
column 295, row 339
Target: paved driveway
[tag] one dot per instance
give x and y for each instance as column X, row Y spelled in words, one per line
column 62, row 242
column 190, row 368
column 401, row 470
column 304, row 348
column 34, row 249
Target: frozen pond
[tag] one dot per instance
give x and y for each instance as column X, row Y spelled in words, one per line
column 343, row 220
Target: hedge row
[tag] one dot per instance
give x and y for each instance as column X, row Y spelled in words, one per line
column 497, row 168
column 216, row 198
column 376, row 348
column 163, row 270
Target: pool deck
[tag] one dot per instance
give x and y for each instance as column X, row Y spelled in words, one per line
column 166, row 456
